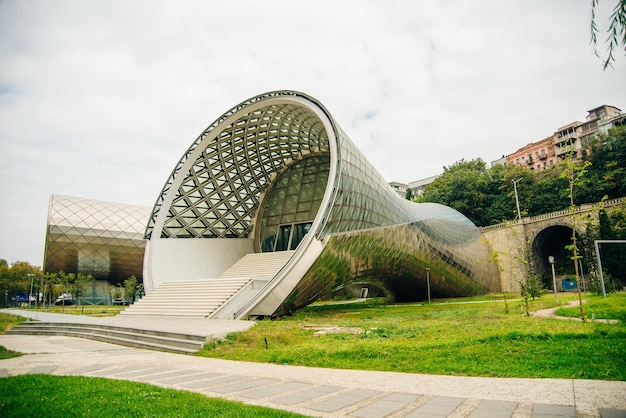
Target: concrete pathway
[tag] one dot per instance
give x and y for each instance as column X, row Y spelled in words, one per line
column 319, row 392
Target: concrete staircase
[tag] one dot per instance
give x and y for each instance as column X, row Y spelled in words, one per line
column 128, row 337
column 196, row 298
column 258, row 265
column 203, row 298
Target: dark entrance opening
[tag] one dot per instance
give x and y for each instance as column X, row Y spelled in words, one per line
column 553, row 241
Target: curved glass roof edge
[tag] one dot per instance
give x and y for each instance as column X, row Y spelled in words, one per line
column 168, row 193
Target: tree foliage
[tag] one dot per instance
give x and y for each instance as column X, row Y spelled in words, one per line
column 487, row 195
column 616, row 31
column 17, row 278
column 130, row 288
column 463, row 186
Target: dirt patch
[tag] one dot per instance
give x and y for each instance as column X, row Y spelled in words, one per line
column 332, row 329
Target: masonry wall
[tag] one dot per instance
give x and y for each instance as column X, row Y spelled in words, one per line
column 507, row 244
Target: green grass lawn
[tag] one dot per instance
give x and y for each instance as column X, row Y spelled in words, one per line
column 7, row 322
column 596, row 307
column 472, row 337
column 464, row 337
column 73, row 396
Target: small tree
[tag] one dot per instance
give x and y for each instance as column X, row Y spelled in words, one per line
column 47, row 281
column 130, row 287
column 532, row 288
column 66, row 280
column 82, row 284
column 574, row 173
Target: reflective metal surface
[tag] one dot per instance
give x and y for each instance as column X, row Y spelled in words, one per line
column 396, row 258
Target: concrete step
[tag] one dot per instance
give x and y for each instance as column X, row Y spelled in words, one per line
column 172, row 291
column 199, row 303
column 260, row 265
column 128, row 337
column 189, row 298
column 221, row 284
column 204, row 297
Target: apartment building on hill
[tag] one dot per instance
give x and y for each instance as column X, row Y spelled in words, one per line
column 569, row 138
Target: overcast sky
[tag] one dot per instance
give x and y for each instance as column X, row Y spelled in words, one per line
column 99, row 99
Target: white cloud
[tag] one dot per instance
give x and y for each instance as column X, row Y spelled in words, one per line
column 99, row 99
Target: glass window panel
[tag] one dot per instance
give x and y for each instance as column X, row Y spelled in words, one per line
column 308, row 178
column 282, row 241
column 297, row 199
column 291, row 203
column 306, row 192
column 304, row 207
column 303, row 216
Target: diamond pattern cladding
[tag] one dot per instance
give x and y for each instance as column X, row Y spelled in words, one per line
column 219, row 195
column 93, row 237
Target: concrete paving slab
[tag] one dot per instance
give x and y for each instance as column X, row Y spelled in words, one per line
column 240, row 386
column 168, row 375
column 554, row 411
column 274, row 390
column 188, row 377
column 612, row 413
column 144, row 372
column 494, row 409
column 343, row 400
column 306, row 395
column 385, row 406
column 438, row 406
column 212, row 382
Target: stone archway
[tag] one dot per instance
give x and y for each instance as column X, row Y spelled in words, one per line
column 552, row 241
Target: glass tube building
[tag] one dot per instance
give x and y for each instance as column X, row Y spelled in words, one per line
column 276, row 178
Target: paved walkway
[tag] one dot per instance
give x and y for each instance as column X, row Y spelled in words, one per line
column 319, row 392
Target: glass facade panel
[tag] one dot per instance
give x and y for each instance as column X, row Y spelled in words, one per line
column 92, row 237
column 294, row 200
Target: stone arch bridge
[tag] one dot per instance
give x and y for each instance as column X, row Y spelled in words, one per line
column 545, row 235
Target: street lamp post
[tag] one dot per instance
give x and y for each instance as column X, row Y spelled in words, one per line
column 428, row 282
column 551, row 260
column 519, row 213
column 30, row 294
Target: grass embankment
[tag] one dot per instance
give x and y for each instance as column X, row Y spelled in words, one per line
column 73, row 396
column 472, row 338
column 90, row 310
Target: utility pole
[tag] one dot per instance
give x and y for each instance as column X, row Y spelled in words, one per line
column 519, row 213
column 428, row 282
column 556, row 292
